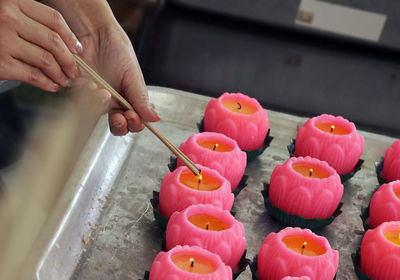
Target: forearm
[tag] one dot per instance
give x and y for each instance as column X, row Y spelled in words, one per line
column 84, row 16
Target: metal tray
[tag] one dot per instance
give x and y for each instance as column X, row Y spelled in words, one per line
column 108, row 230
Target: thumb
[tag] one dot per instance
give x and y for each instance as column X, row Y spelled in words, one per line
column 135, row 91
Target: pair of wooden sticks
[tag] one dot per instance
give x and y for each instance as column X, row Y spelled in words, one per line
column 128, row 106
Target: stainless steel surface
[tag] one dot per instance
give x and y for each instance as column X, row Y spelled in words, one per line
column 109, row 231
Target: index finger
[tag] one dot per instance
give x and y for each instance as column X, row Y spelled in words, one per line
column 53, row 20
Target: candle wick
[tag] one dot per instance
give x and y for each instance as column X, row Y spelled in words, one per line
column 191, row 263
column 207, row 225
column 198, row 183
column 215, row 146
column 332, row 128
column 240, row 106
column 311, row 171
column 303, row 247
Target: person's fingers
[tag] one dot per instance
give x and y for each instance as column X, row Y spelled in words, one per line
column 89, row 96
column 118, row 123
column 134, row 123
column 135, row 92
column 53, row 20
column 40, row 58
column 18, row 70
column 51, row 41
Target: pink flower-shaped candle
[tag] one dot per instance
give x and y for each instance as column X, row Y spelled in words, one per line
column 296, row 278
column 306, row 187
column 385, row 204
column 297, row 252
column 218, row 152
column 189, row 263
column 391, row 163
column 181, row 188
column 209, row 227
column 380, row 252
column 239, row 117
column 332, row 139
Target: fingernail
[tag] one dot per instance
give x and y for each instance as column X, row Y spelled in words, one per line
column 117, row 124
column 54, row 87
column 154, row 111
column 130, row 127
column 78, row 46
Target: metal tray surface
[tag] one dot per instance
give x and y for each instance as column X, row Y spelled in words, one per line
column 108, row 230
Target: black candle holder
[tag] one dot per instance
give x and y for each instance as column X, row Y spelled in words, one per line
column 356, row 262
column 161, row 220
column 251, row 155
column 365, row 218
column 343, row 178
column 285, row 219
column 378, row 169
column 365, row 212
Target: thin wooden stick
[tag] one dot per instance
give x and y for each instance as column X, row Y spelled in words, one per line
column 128, row 106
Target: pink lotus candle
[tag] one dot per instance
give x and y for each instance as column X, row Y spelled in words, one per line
column 296, row 252
column 209, row 227
column 332, row 139
column 306, row 187
column 240, row 117
column 385, row 204
column 391, row 163
column 296, row 278
column 217, row 152
column 181, row 188
column 380, row 252
column 189, row 263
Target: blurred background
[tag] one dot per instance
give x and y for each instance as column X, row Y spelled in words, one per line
column 303, row 57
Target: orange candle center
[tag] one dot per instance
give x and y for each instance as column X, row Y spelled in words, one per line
column 332, row 128
column 311, row 171
column 208, row 222
column 193, row 263
column 397, row 192
column 393, row 236
column 240, row 107
column 202, row 182
column 215, row 146
column 303, row 246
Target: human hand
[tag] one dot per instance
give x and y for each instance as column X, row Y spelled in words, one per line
column 36, row 45
column 110, row 52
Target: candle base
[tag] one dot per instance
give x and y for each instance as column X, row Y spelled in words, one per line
column 241, row 266
column 357, row 262
column 379, row 169
column 251, row 155
column 161, row 220
column 365, row 218
column 254, row 269
column 343, row 177
column 146, row 275
column 173, row 164
column 286, row 219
